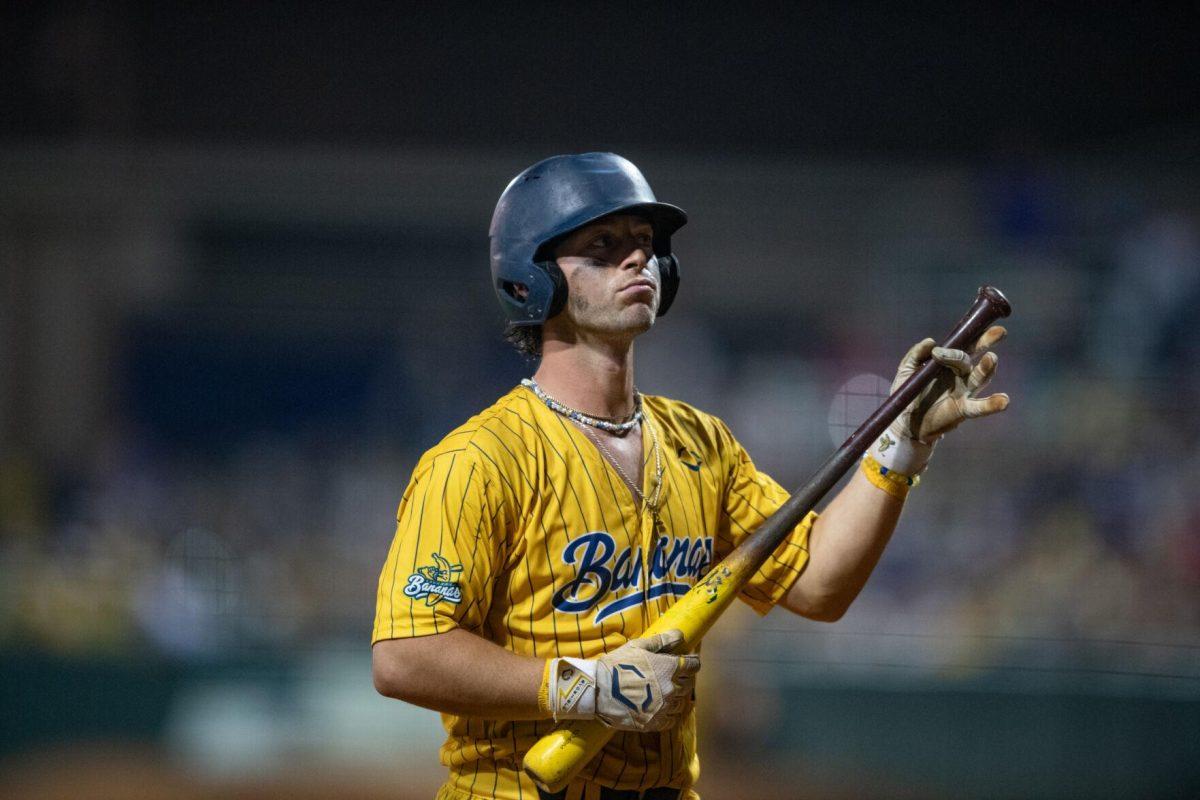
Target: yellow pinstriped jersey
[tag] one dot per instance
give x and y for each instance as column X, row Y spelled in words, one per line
column 516, row 528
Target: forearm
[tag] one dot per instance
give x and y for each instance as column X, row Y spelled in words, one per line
column 458, row 672
column 848, row 538
column 844, row 546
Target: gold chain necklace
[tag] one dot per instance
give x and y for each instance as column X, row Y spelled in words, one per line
column 648, row 504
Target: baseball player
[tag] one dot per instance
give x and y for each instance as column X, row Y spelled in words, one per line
column 536, row 542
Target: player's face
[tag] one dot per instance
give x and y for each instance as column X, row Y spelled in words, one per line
column 612, row 276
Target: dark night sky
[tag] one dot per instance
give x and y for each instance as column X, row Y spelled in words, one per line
column 836, row 78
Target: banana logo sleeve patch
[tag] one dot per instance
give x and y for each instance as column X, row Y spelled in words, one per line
column 435, row 583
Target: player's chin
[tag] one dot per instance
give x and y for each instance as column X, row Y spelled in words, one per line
column 644, row 300
column 640, row 315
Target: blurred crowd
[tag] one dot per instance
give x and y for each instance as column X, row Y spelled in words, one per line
column 1062, row 537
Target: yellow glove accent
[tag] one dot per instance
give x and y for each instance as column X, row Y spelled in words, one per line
column 544, row 689
column 893, row 483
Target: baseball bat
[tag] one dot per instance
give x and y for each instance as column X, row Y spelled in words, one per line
column 556, row 758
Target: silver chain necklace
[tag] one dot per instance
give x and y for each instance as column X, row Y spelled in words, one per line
column 616, row 428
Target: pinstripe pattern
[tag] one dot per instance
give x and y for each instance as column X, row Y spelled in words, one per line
column 507, row 496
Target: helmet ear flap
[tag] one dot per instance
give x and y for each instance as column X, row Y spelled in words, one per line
column 668, row 276
column 558, row 299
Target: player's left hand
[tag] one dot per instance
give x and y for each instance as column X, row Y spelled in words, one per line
column 952, row 396
column 943, row 405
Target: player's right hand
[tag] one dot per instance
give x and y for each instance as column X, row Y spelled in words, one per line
column 640, row 686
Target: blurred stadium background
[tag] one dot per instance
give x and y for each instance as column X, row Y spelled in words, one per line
column 243, row 254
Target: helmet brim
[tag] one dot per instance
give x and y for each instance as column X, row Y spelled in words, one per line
column 663, row 217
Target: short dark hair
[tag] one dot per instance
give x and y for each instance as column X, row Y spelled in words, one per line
column 527, row 339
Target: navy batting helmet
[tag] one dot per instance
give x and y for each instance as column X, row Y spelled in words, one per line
column 550, row 200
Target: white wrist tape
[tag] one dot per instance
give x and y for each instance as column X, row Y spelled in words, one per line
column 573, row 688
column 901, row 454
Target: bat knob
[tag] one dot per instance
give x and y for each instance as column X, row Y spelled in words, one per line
column 997, row 299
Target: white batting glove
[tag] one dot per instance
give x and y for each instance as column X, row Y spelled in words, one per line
column 640, row 686
column 906, row 446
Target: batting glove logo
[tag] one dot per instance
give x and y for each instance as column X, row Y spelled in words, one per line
column 621, row 697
